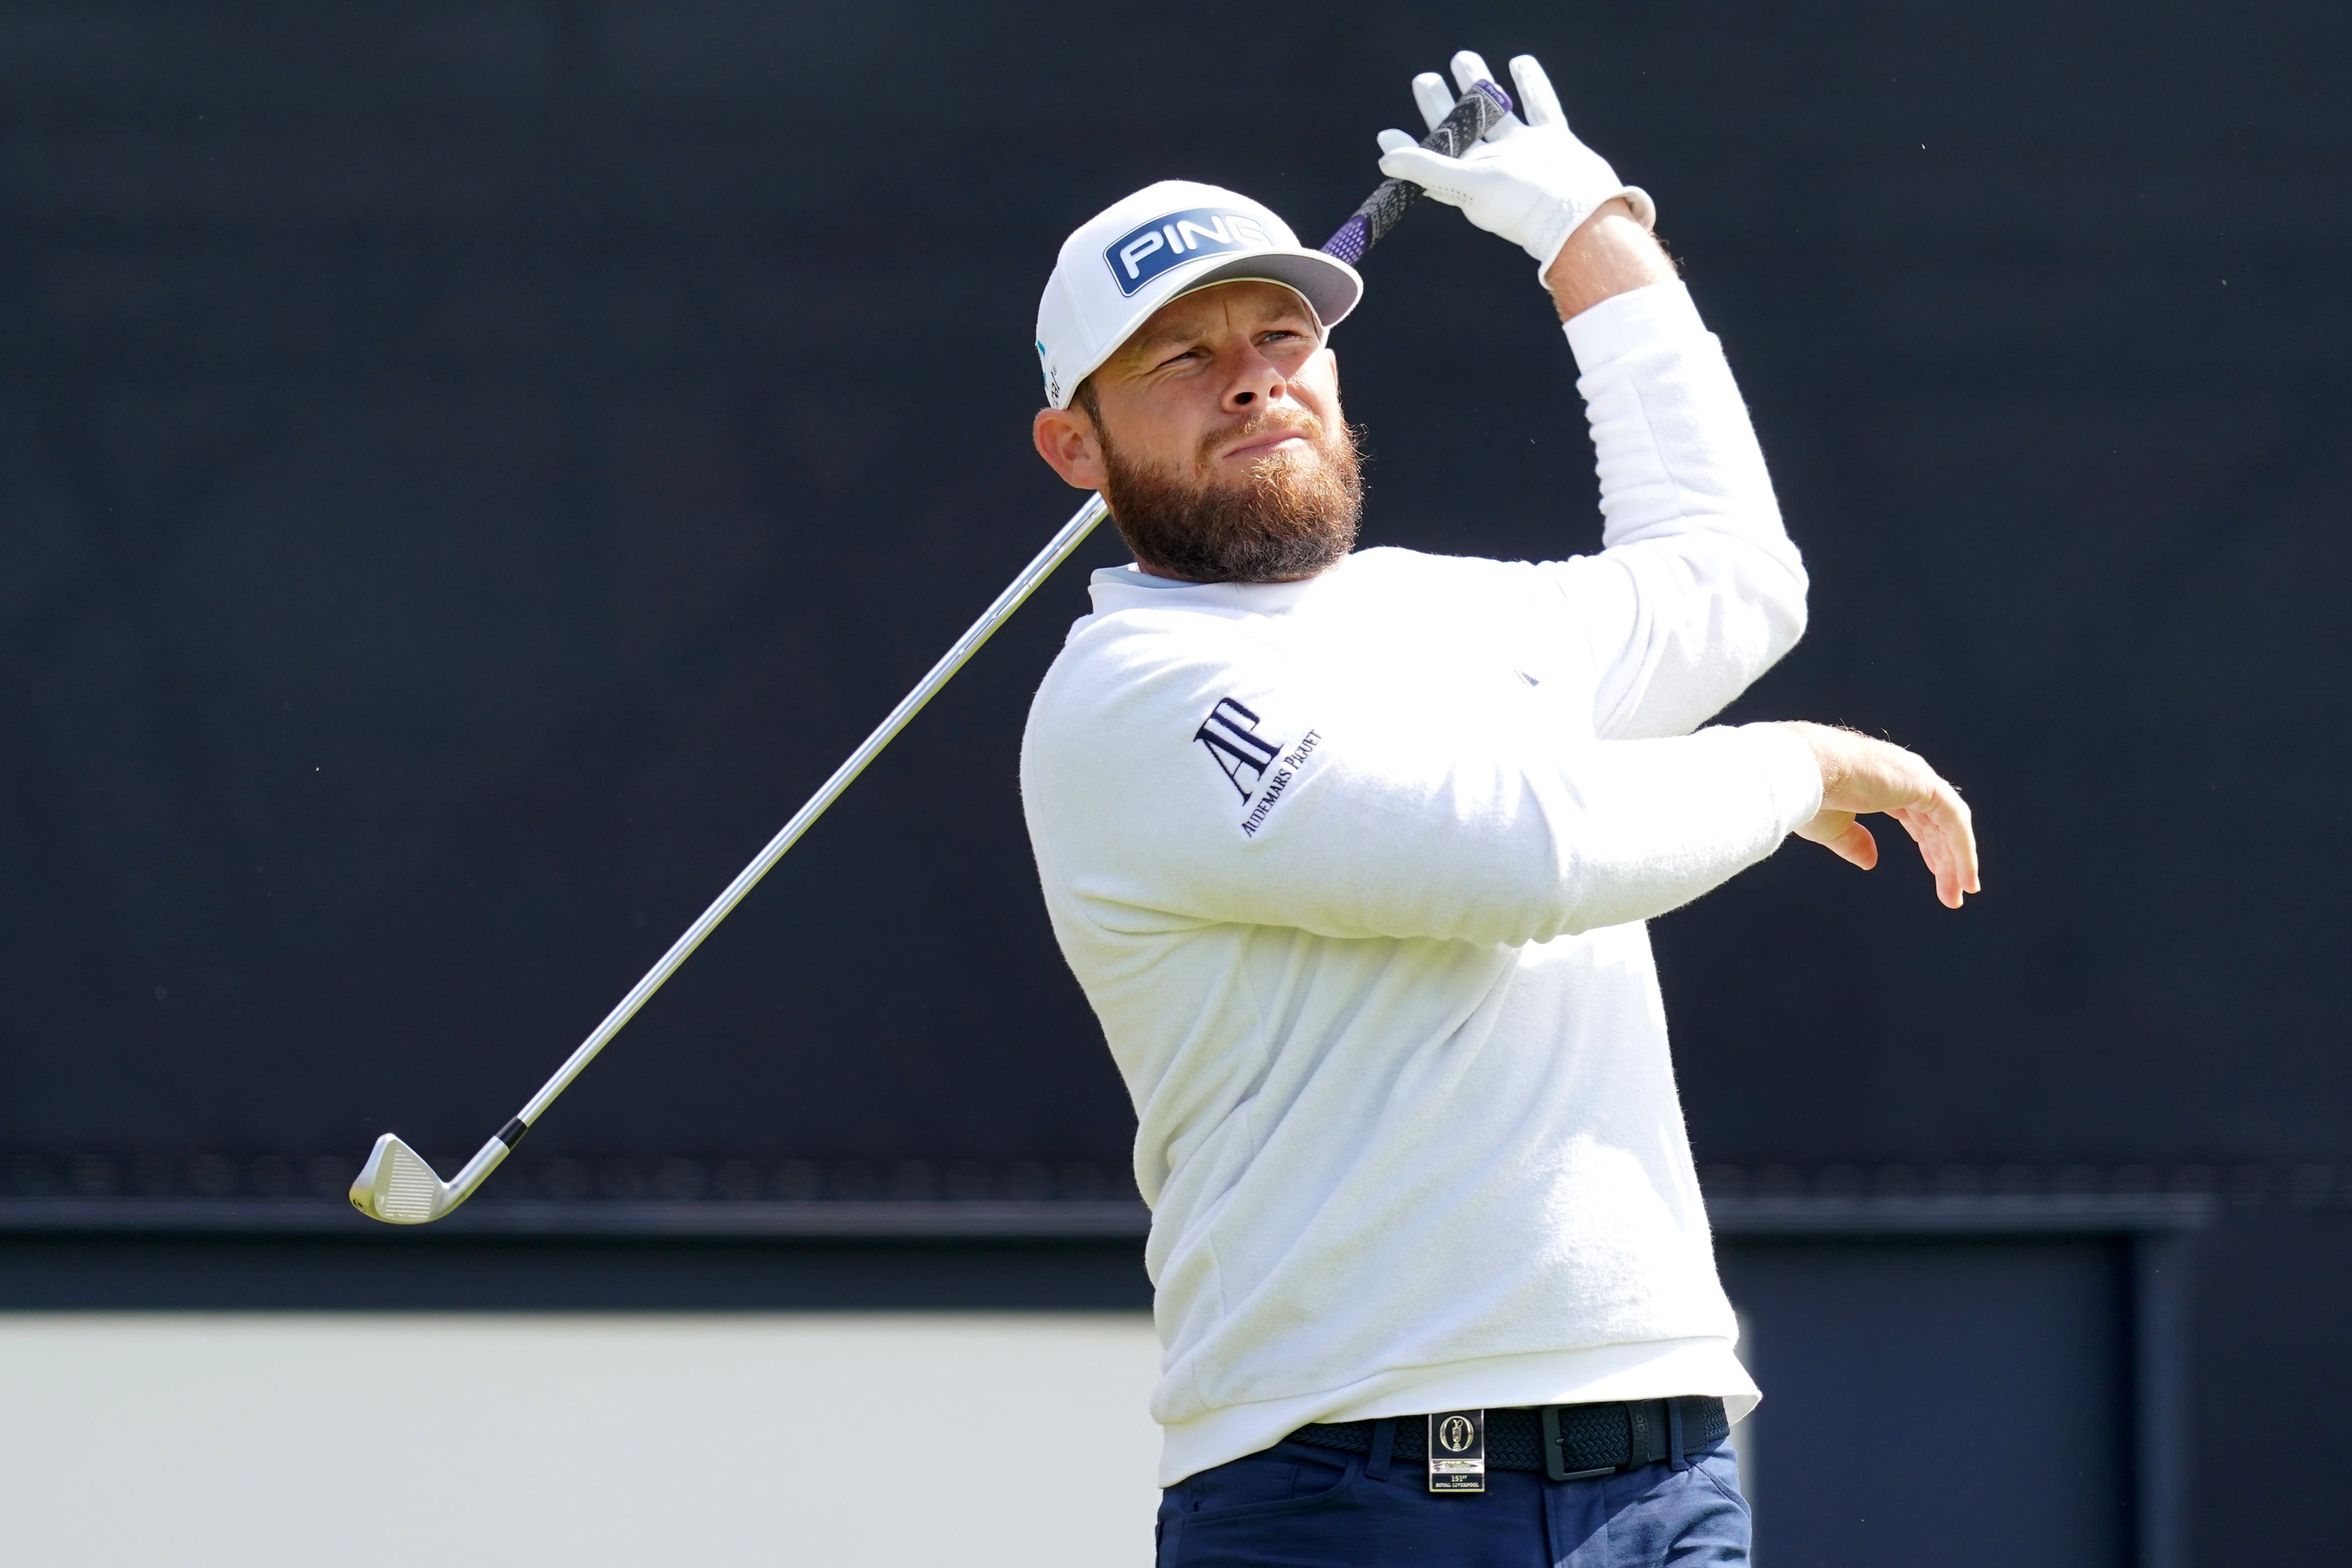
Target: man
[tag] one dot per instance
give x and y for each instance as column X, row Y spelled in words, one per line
column 1351, row 853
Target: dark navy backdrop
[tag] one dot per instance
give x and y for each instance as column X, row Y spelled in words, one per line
column 468, row 471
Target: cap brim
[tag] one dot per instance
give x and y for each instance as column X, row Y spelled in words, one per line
column 1329, row 285
column 1326, row 282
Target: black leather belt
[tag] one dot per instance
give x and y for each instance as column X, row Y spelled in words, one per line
column 1566, row 1442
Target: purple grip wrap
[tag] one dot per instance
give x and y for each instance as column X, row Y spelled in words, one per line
column 1351, row 242
column 1475, row 114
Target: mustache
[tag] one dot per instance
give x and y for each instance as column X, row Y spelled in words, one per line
column 1292, row 421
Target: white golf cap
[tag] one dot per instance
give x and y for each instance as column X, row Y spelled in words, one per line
column 1168, row 239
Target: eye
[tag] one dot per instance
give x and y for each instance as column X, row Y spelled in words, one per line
column 1177, row 359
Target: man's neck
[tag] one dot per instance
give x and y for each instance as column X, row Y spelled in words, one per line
column 1150, row 571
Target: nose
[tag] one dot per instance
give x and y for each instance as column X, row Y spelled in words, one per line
column 1258, row 380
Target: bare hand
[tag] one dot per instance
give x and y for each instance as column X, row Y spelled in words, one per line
column 1860, row 775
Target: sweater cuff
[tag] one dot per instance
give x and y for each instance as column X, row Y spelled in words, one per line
column 1791, row 772
column 1625, row 322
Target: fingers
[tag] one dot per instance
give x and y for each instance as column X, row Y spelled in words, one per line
column 1838, row 833
column 1957, row 828
column 1396, row 141
column 1970, row 877
column 1944, row 831
column 1538, row 105
column 1936, row 851
column 1434, row 172
column 1432, row 97
column 1949, row 892
column 1469, row 69
column 1856, row 845
column 1852, row 844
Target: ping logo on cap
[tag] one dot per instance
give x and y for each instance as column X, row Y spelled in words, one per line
column 1143, row 253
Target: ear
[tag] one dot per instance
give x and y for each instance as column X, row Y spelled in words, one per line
column 1066, row 439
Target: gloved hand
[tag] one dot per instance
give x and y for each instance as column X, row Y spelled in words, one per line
column 1529, row 181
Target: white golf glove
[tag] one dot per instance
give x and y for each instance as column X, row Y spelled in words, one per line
column 1530, row 180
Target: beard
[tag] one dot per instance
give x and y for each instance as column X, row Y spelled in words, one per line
column 1291, row 516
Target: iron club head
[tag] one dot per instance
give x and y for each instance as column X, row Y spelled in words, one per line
column 397, row 1186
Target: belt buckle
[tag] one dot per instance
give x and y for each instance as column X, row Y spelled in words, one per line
column 1457, row 1451
column 1555, row 1458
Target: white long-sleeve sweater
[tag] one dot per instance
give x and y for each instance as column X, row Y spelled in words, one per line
column 1353, row 871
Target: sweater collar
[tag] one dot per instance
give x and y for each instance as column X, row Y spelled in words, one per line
column 1131, row 588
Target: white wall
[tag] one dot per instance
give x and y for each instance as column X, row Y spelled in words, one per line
column 186, row 1440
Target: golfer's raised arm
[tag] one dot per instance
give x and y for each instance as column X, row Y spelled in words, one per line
column 1698, row 590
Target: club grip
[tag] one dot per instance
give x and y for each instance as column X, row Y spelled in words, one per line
column 1475, row 114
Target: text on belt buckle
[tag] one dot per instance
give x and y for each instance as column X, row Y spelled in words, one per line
column 1457, row 1451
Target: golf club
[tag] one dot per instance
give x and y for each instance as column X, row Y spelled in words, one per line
column 399, row 1187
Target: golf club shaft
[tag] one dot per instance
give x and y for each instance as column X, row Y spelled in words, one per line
column 1056, row 550
column 1472, row 115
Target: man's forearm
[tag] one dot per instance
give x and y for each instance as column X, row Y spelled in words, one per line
column 1699, row 590
column 1610, row 254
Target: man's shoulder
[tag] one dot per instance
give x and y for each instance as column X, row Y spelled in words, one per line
column 1125, row 727
column 1119, row 666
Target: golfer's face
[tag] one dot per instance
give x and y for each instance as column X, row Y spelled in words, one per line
column 1219, row 381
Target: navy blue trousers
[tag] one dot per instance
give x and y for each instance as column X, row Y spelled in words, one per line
column 1296, row 1506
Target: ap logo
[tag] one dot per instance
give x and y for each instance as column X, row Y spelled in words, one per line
column 1230, row 732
